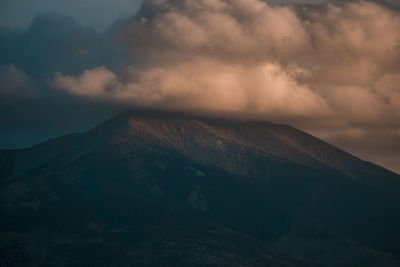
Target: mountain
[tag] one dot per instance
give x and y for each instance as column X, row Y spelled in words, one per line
column 157, row 188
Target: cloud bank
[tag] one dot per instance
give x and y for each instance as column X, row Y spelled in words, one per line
column 338, row 62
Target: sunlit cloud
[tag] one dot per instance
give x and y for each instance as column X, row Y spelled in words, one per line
column 336, row 67
column 247, row 56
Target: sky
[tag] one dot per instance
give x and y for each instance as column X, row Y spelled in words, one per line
column 96, row 13
column 329, row 68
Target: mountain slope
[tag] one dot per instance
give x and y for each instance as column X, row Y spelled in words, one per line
column 200, row 191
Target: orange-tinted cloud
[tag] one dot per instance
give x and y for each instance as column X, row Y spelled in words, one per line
column 334, row 70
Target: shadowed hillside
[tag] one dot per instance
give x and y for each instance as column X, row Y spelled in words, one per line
column 152, row 188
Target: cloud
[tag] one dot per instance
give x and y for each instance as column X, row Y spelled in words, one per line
column 95, row 82
column 202, row 85
column 98, row 13
column 31, row 111
column 244, row 55
column 56, row 43
column 332, row 70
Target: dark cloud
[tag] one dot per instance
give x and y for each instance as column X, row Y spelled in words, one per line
column 31, row 111
column 96, row 13
column 56, row 43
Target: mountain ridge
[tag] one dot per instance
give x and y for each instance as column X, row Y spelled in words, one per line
column 162, row 114
column 151, row 179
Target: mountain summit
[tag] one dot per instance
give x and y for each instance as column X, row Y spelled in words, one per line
column 156, row 188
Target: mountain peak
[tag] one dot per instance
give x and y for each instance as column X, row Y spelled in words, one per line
column 199, row 189
column 190, row 133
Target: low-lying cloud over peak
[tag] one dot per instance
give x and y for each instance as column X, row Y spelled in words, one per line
column 244, row 55
column 330, row 69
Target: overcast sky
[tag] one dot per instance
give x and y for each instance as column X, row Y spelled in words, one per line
column 331, row 70
column 97, row 13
